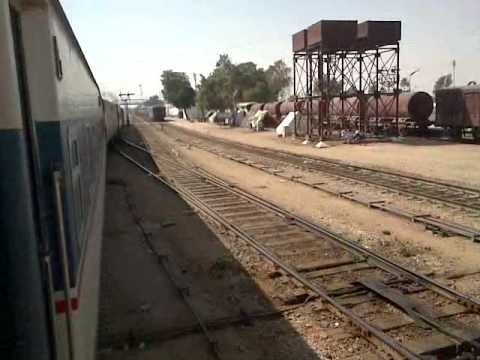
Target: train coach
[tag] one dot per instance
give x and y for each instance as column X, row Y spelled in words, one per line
column 54, row 127
column 458, row 110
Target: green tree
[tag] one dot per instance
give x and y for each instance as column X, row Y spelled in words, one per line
column 279, row 78
column 334, row 87
column 153, row 100
column 177, row 90
column 443, row 81
column 230, row 83
column 210, row 94
column 261, row 92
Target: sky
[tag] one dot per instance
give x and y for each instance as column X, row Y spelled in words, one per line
column 129, row 43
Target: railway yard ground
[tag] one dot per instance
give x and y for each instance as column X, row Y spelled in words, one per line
column 226, row 249
column 432, row 158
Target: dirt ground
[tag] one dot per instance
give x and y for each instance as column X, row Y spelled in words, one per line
column 399, row 239
column 458, row 163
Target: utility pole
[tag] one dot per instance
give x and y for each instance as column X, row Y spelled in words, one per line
column 125, row 97
column 410, row 79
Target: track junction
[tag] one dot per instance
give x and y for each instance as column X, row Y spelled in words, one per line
column 405, row 313
column 345, row 180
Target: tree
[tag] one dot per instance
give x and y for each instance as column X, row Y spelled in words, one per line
column 279, row 78
column 153, row 100
column 334, row 87
column 177, row 90
column 230, row 83
column 210, row 94
column 261, row 92
column 405, row 84
column 443, row 81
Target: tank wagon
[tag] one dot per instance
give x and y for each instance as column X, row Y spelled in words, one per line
column 414, row 110
column 290, row 106
column 53, row 133
column 273, row 110
column 458, row 109
column 276, row 110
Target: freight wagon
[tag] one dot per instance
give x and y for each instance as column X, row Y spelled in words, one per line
column 458, row 110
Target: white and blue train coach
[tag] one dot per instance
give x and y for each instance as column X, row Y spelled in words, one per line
column 54, row 127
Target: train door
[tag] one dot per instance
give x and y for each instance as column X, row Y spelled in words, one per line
column 35, row 276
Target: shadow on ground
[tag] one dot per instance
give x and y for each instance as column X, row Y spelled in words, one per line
column 143, row 316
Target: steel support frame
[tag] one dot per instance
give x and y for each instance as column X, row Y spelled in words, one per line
column 355, row 77
column 300, row 82
column 307, row 80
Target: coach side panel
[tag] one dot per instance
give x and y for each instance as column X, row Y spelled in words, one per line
column 25, row 329
column 68, row 112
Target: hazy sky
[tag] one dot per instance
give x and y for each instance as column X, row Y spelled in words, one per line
column 128, row 43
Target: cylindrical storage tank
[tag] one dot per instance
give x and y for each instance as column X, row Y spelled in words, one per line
column 274, row 110
column 417, row 106
column 420, row 106
column 316, row 106
column 289, row 106
column 351, row 106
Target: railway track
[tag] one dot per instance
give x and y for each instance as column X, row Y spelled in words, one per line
column 171, row 271
column 465, row 198
column 404, row 313
column 435, row 190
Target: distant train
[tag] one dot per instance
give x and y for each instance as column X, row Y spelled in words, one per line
column 458, row 110
column 53, row 133
column 414, row 110
column 158, row 113
column 152, row 113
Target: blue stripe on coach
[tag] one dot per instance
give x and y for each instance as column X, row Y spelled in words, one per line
column 23, row 318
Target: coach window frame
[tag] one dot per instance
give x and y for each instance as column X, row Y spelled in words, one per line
column 58, row 60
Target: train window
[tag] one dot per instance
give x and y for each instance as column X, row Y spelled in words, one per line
column 58, row 61
column 75, row 153
column 80, row 201
column 87, row 154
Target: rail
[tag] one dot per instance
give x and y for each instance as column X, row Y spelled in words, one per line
column 200, row 188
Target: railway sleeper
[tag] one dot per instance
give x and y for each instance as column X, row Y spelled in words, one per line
column 211, row 195
column 231, row 204
column 424, row 316
column 243, row 215
column 221, row 200
column 369, row 329
column 269, row 228
column 229, row 210
column 279, row 234
column 301, row 239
